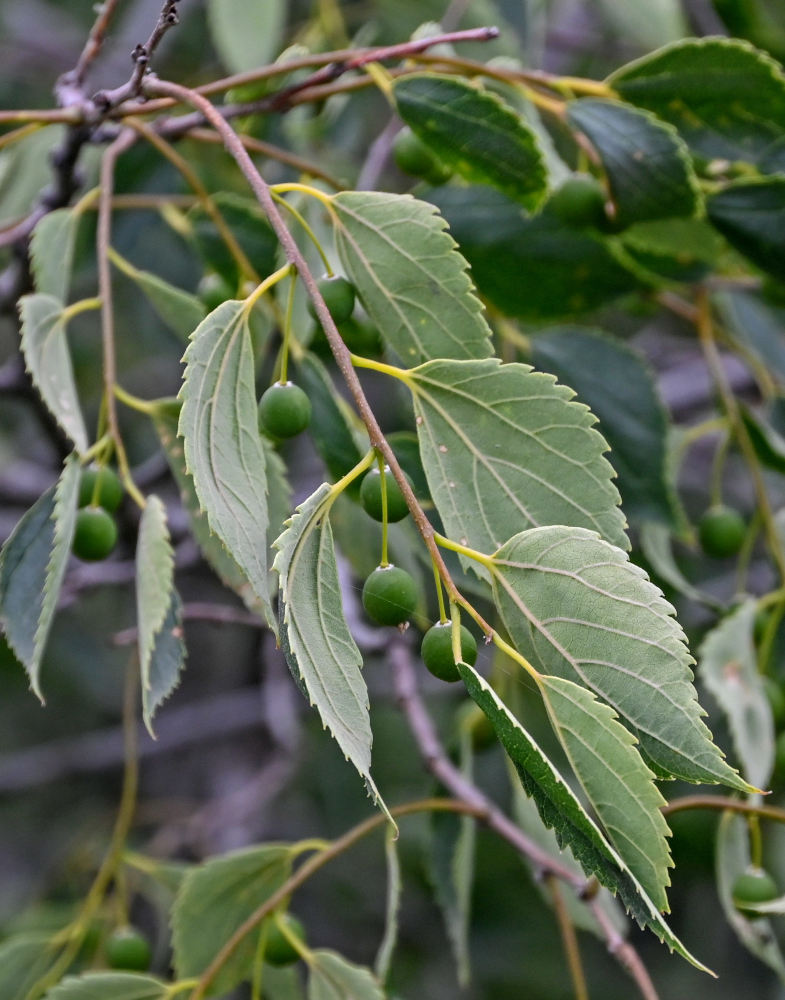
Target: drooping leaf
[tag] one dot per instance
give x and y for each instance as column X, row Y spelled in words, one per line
column 561, row 811
column 531, row 267
column 179, row 310
column 167, row 658
column 319, row 648
column 757, row 325
column 767, row 441
column 615, row 382
column 617, row 782
column 484, row 489
column 410, row 277
column 726, row 98
column 103, row 985
column 475, row 132
column 727, row 665
column 24, row 959
column 332, row 977
column 248, row 224
column 32, row 565
column 52, row 252
column 246, row 35
column 214, row 900
column 154, row 579
column 381, row 966
column 48, row 361
column 223, row 450
column 732, row 858
column 330, row 428
column 647, row 164
column 577, row 608
column 750, row 214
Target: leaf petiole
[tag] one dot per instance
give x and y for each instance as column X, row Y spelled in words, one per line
column 268, row 283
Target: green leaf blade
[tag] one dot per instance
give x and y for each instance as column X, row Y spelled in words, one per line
column 577, row 608
column 332, row 977
column 103, row 985
column 475, row 132
column 48, row 361
column 485, row 491
column 246, row 35
column 412, row 281
column 52, row 252
column 751, row 217
column 222, row 445
column 179, row 310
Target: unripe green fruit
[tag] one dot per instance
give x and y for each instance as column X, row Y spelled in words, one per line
column 284, row 410
column 755, row 885
column 414, row 157
column 338, row 294
column 436, row 651
column 278, row 950
column 389, row 595
column 579, row 202
column 95, row 534
column 101, row 487
column 721, row 531
column 213, row 290
column 127, row 948
column 776, row 698
column 371, row 496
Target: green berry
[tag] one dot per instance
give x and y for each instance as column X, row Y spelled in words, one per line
column 95, row 534
column 436, row 651
column 755, row 885
column 213, row 290
column 579, row 202
column 338, row 294
column 127, row 948
column 721, row 531
column 278, row 950
column 284, row 410
column 389, row 595
column 371, row 496
column 776, row 698
column 414, row 157
column 100, row 486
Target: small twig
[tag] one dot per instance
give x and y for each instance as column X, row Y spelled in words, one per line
column 722, row 803
column 93, row 44
column 569, row 939
column 624, row 953
column 202, row 611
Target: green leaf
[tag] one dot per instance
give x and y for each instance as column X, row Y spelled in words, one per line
column 673, row 249
column 26, row 171
column 223, row 449
column 52, row 252
column 179, row 310
column 48, row 361
column 561, row 811
column 392, row 909
column 726, row 98
column 154, row 579
column 215, row 899
column 757, row 325
column 246, row 35
column 32, row 565
column 475, row 132
column 332, row 977
column 751, row 217
column 617, row 782
column 331, row 428
column 656, row 544
column 248, row 224
column 484, row 490
column 533, row 268
column 732, row 858
column 768, row 443
column 648, row 22
column 106, row 985
column 577, row 608
column 24, row 959
column 615, row 382
column 727, row 665
column 167, row 658
column 321, row 653
column 410, row 277
column 647, row 164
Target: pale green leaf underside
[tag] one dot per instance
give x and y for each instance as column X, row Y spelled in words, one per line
column 52, row 252
column 32, row 565
column 728, row 666
column 246, row 35
column 321, row 653
column 154, row 579
column 410, row 277
column 48, row 361
column 214, row 900
column 223, row 450
column 179, row 310
column 475, row 132
column 617, row 782
column 332, row 977
column 505, row 448
column 24, row 958
column 167, row 658
column 561, row 811
column 577, row 608
column 106, row 985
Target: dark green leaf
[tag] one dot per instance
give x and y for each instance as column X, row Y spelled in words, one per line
column 768, row 443
column 410, row 277
column 474, row 132
column 673, row 249
column 247, row 223
column 751, row 217
column 758, row 326
column 648, row 166
column 109, row 986
column 179, row 310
